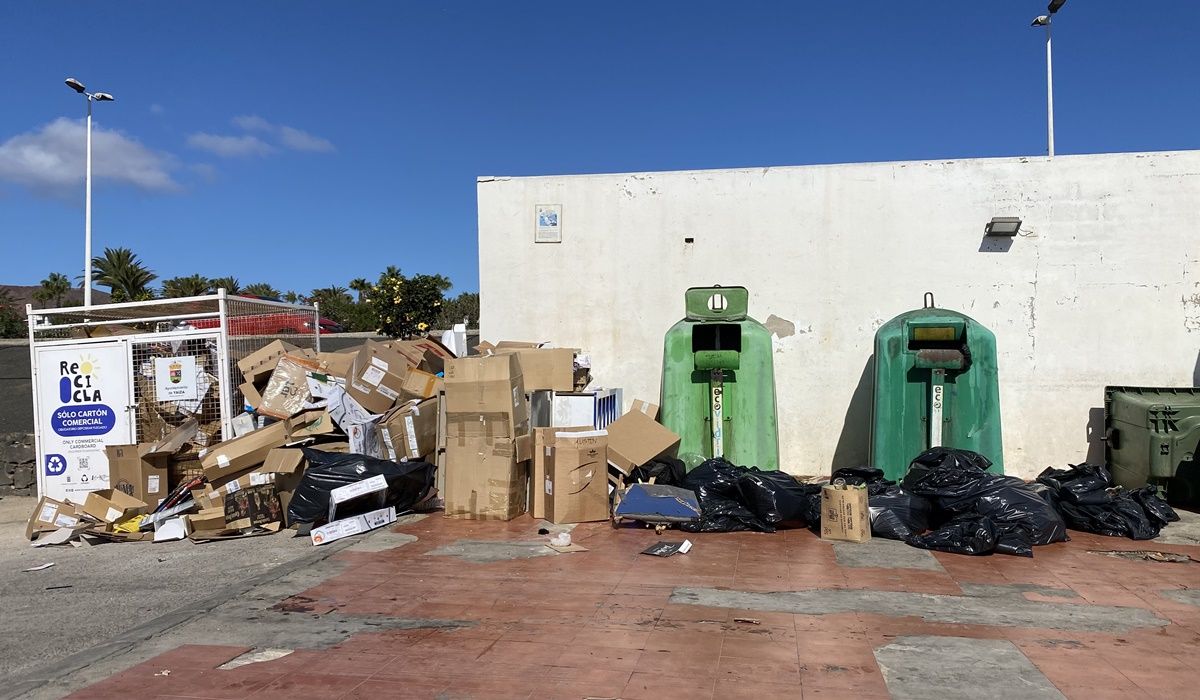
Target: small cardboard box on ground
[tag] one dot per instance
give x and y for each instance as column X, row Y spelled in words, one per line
column 543, row 443
column 354, row 525
column 409, row 431
column 576, row 484
column 635, row 438
column 137, row 471
column 844, row 513
column 112, row 505
column 51, row 515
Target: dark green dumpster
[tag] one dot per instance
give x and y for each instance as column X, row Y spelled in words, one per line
column 1152, row 435
column 935, row 386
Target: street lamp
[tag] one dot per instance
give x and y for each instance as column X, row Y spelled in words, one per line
column 87, row 187
column 1044, row 21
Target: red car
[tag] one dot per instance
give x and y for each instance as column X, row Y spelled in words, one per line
column 271, row 323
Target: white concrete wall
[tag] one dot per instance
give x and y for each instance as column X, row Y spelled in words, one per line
column 1101, row 287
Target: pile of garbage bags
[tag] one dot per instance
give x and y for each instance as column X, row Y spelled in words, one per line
column 1089, row 501
column 408, row 483
column 948, row 501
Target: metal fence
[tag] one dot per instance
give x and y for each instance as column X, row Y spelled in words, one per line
column 206, row 335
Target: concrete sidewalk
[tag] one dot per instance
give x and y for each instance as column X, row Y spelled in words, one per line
column 456, row 609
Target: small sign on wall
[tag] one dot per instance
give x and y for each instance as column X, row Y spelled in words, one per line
column 175, row 378
column 547, row 224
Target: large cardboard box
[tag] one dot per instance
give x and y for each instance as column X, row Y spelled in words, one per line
column 139, row 471
column 340, row 362
column 543, row 443
column 576, row 484
column 490, row 388
column 546, row 368
column 377, row 377
column 259, row 364
column 419, row 384
column 287, row 391
column 50, row 515
column 635, row 438
column 111, row 505
column 243, row 453
column 486, row 478
column 409, row 431
column 844, row 513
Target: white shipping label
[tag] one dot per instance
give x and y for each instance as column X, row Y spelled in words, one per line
column 201, row 453
column 381, row 364
column 412, row 437
column 387, row 391
column 222, row 461
column 345, row 493
column 257, row 479
column 549, row 487
column 373, row 375
column 112, row 514
column 548, row 451
column 47, row 514
column 66, row 521
column 232, row 487
column 152, row 483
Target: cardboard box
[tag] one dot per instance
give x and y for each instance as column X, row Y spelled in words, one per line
column 488, row 387
column 338, row 363
column 545, row 368
column 373, row 489
column 635, row 438
column 310, row 423
column 486, row 478
column 205, row 519
column 51, row 515
column 112, row 505
column 287, row 391
column 250, row 395
column 138, row 471
column 242, row 453
column 423, row 353
column 409, row 431
column 352, row 526
column 259, row 364
column 376, row 377
column 543, row 443
column 844, row 513
column 254, row 505
column 419, row 384
column 576, row 484
column 646, row 407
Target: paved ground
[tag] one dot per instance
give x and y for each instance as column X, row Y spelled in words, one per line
column 94, row 593
column 457, row 609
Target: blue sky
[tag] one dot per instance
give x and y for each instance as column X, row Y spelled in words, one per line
column 308, row 143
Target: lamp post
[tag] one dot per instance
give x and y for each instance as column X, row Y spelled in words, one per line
column 87, row 186
column 1044, row 21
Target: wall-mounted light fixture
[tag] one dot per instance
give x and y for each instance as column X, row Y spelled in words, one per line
column 1003, row 226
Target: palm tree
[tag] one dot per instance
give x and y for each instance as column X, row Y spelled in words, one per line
column 291, row 297
column 55, row 286
column 360, row 285
column 331, row 293
column 190, row 286
column 260, row 289
column 123, row 273
column 229, row 284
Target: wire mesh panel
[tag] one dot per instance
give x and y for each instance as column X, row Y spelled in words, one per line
column 181, row 360
column 252, row 323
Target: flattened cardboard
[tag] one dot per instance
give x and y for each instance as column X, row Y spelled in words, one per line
column 338, row 363
column 845, row 514
column 409, row 431
column 486, row 478
column 576, row 484
column 287, row 391
column 51, row 515
column 112, row 505
column 635, row 438
column 242, row 453
column 543, row 442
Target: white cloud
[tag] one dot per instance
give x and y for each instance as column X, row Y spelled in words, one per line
column 252, row 122
column 298, row 140
column 50, row 160
column 230, row 146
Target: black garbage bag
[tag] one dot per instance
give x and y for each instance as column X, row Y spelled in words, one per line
column 409, row 483
column 896, row 514
column 1088, row 500
column 1154, row 505
column 967, row 533
column 666, row 471
column 776, row 497
column 715, row 483
column 860, row 475
column 958, row 484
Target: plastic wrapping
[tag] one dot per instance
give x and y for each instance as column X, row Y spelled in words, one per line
column 1088, row 501
column 666, row 471
column 734, row 498
column 896, row 514
column 965, row 534
column 409, row 483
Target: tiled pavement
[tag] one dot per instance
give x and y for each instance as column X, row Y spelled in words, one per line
column 601, row 623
